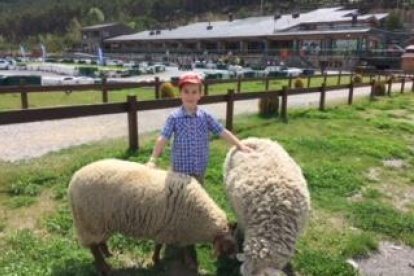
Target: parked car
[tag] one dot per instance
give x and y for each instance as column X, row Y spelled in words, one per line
column 113, row 62
column 283, row 71
column 211, row 65
column 77, row 80
column 4, row 64
column 67, row 80
column 15, row 80
column 364, row 68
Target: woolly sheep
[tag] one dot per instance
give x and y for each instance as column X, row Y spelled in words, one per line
column 114, row 196
column 269, row 195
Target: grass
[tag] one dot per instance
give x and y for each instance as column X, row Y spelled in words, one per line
column 336, row 149
column 36, row 100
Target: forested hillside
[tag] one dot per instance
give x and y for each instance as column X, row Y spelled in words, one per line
column 58, row 21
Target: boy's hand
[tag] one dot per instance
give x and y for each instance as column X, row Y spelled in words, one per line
column 245, row 148
column 152, row 162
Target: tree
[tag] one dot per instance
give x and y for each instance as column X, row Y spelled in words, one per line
column 73, row 36
column 94, row 16
column 394, row 21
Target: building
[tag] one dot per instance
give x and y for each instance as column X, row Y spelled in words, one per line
column 330, row 36
column 407, row 60
column 94, row 36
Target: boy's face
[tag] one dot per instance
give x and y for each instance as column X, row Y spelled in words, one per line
column 190, row 94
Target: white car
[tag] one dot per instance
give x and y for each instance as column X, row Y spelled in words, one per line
column 77, row 80
column 284, row 70
column 4, row 64
column 293, row 72
column 66, row 80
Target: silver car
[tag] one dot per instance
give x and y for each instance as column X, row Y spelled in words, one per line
column 4, row 64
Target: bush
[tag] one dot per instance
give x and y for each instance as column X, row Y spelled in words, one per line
column 380, row 89
column 167, row 91
column 358, row 79
column 88, row 71
column 269, row 107
column 299, row 83
column 392, row 78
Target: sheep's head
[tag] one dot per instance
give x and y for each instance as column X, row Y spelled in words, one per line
column 225, row 245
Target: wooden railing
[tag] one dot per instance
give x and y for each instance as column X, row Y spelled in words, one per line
column 132, row 106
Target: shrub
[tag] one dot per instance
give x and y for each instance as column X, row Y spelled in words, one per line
column 299, row 83
column 392, row 78
column 380, row 89
column 358, row 79
column 167, row 91
column 269, row 107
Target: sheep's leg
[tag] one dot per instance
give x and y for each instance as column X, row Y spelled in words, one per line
column 103, row 268
column 104, row 249
column 288, row 270
column 157, row 252
column 190, row 257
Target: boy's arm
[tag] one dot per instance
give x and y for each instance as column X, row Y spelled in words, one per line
column 232, row 139
column 217, row 128
column 162, row 140
column 158, row 149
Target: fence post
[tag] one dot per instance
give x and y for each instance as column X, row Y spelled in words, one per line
column 230, row 109
column 403, row 85
column 290, row 82
column 23, row 95
column 283, row 113
column 389, row 87
column 351, row 92
column 309, row 81
column 267, row 83
column 206, row 89
column 325, row 77
column 372, row 94
column 239, row 83
column 133, row 122
column 157, row 88
column 104, row 90
column 370, row 78
column 323, row 97
column 339, row 77
column 412, row 85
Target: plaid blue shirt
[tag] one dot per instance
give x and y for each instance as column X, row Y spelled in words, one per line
column 190, row 148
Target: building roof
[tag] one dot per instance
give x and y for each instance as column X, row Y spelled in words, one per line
column 254, row 26
column 100, row 26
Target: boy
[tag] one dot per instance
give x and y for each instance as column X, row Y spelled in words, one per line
column 191, row 126
column 190, row 151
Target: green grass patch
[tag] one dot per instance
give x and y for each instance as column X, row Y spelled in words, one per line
column 377, row 217
column 335, row 149
column 20, row 201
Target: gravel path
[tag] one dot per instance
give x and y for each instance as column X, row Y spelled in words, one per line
column 390, row 260
column 28, row 140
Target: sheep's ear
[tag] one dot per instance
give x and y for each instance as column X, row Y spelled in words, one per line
column 217, row 247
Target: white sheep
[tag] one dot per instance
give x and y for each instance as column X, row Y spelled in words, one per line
column 114, row 196
column 269, row 195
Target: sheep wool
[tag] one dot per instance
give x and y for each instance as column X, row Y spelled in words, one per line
column 269, row 196
column 114, row 196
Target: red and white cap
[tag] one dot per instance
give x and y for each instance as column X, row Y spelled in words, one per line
column 190, row 77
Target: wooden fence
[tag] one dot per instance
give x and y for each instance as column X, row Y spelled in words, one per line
column 105, row 87
column 132, row 106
